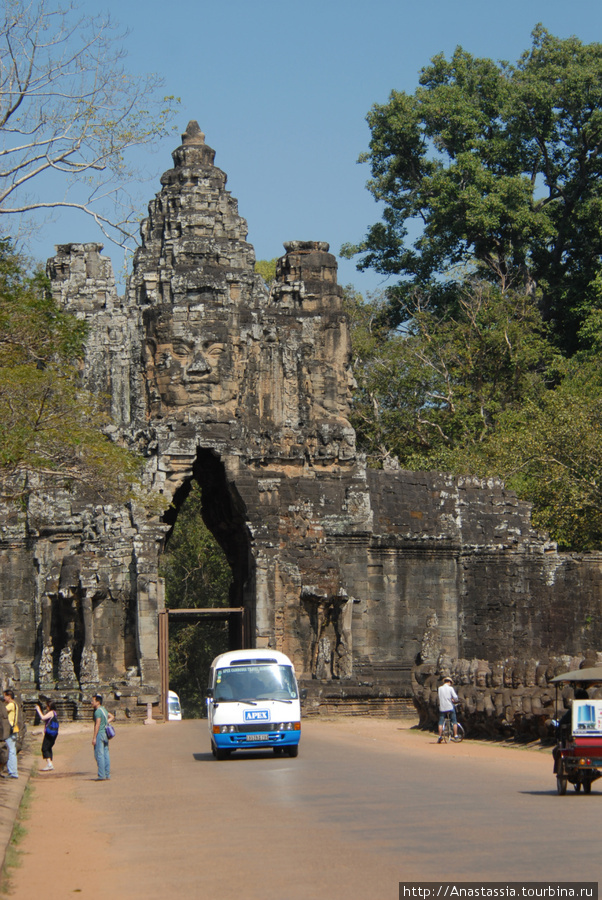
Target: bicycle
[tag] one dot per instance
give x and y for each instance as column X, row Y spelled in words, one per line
column 448, row 730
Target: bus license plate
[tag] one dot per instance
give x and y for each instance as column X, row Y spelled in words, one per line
column 258, row 737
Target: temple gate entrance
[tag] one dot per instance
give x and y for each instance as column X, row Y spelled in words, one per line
column 208, row 592
column 235, row 618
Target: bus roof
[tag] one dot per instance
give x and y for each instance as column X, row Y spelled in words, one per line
column 249, row 658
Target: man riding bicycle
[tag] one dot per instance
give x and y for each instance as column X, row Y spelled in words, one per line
column 447, row 700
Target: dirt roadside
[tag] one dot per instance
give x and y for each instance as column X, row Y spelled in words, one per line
column 53, row 818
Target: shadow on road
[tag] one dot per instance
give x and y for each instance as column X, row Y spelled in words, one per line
column 554, row 793
column 245, row 754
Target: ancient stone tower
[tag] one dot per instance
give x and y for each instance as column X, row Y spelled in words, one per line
column 353, row 573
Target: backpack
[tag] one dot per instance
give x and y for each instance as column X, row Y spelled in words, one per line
column 14, row 728
column 52, row 726
column 21, row 725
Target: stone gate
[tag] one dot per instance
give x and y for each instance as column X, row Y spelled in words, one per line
column 356, row 574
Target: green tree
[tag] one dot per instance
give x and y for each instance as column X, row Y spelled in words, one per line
column 550, row 451
column 49, row 425
column 197, row 576
column 433, row 392
column 484, row 392
column 501, row 166
column 267, row 269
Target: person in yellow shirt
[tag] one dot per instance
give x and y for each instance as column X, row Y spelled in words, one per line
column 11, row 741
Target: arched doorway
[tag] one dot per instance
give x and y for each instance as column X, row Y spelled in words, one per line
column 212, row 615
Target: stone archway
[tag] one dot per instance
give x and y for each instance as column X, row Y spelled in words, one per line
column 225, row 517
column 224, row 514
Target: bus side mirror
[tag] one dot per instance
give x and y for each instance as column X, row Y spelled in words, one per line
column 210, row 692
column 303, row 694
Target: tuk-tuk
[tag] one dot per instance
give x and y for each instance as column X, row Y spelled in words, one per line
column 578, row 750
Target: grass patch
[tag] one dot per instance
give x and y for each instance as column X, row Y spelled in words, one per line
column 13, row 860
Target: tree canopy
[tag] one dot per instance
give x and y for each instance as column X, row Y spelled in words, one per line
column 485, row 357
column 435, row 391
column 483, row 391
column 267, row 269
column 495, row 168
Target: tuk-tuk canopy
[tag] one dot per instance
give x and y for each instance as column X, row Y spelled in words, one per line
column 592, row 674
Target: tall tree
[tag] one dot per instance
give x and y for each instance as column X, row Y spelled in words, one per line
column 482, row 391
column 501, row 165
column 550, row 451
column 69, row 113
column 434, row 392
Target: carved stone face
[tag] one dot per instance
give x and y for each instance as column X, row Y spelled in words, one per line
column 188, row 363
column 530, row 674
column 497, row 675
column 444, row 665
column 482, row 674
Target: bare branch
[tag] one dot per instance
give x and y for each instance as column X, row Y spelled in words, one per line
column 69, row 108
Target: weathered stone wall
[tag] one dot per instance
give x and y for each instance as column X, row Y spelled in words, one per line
column 356, row 574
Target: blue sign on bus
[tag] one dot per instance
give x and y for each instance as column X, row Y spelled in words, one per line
column 257, row 715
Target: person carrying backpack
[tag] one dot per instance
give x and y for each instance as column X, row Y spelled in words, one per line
column 51, row 731
column 11, row 741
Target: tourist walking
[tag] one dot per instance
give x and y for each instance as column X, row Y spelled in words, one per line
column 447, row 706
column 51, row 731
column 11, row 741
column 100, row 741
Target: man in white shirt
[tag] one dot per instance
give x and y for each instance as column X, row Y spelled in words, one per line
column 447, row 700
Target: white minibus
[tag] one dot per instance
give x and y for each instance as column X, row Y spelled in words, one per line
column 253, row 702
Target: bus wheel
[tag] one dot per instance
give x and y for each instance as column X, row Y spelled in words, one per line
column 294, row 750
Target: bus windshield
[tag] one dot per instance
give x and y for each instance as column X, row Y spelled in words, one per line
column 255, row 682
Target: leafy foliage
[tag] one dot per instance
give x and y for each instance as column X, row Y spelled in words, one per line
column 501, row 165
column 267, row 269
column 485, row 357
column 435, row 390
column 550, row 452
column 197, row 576
column 484, row 392
column 49, row 425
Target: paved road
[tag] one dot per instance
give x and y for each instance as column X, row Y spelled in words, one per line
column 364, row 806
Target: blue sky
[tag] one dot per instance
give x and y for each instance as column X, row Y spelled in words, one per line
column 281, row 90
